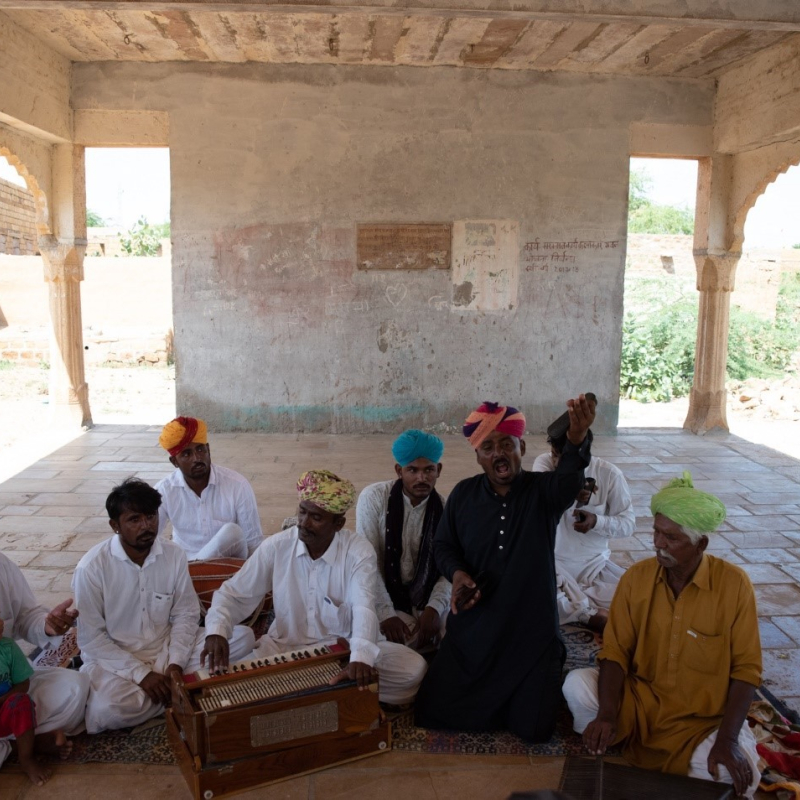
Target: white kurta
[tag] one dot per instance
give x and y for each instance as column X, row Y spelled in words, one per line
column 373, row 503
column 136, row 620
column 228, row 498
column 317, row 601
column 587, row 578
column 59, row 694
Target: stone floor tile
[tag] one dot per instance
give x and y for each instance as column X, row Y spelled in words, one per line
column 62, row 581
column 766, row 555
column 18, row 511
column 774, row 600
column 769, row 498
column 61, row 558
column 740, row 511
column 765, row 522
column 84, row 541
column 781, row 668
column 40, row 579
column 772, row 636
column 130, row 466
column 38, row 474
column 755, row 537
column 22, row 485
column 789, row 625
column 79, row 512
column 785, row 509
column 63, row 499
column 792, row 570
column 75, row 784
column 14, row 783
column 21, row 557
column 9, row 498
column 765, row 573
column 37, row 524
column 32, row 541
column 496, row 783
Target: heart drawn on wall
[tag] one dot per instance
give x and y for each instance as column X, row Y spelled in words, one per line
column 395, row 293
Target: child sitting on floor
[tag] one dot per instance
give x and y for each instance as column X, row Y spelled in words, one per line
column 17, row 710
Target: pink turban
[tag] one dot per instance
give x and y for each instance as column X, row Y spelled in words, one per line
column 490, row 417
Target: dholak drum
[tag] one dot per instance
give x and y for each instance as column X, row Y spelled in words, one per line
column 208, row 576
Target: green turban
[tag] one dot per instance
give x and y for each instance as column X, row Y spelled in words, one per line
column 687, row 506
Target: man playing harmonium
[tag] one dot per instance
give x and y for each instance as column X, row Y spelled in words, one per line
column 139, row 614
column 499, row 666
column 681, row 656
column 322, row 578
column 399, row 518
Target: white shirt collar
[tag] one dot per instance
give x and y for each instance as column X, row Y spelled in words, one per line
column 118, row 551
column 329, row 556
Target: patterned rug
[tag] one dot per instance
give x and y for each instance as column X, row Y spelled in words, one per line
column 148, row 743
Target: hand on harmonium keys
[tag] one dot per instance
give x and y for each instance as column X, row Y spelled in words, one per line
column 216, row 648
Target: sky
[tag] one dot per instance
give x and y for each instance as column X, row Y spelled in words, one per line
column 123, row 184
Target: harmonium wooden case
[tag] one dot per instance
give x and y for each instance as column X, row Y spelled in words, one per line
column 268, row 720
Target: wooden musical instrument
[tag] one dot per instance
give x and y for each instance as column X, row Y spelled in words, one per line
column 259, row 724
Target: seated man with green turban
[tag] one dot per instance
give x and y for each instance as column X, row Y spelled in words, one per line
column 681, row 655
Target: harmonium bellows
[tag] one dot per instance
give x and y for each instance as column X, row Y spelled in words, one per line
column 270, row 719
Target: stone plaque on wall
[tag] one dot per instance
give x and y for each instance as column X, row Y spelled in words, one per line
column 403, row 246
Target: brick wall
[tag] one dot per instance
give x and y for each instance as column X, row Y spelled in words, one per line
column 17, row 221
column 758, row 273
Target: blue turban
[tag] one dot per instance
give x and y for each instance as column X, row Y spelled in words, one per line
column 413, row 444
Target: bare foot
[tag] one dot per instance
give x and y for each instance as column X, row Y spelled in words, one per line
column 54, row 743
column 38, row 773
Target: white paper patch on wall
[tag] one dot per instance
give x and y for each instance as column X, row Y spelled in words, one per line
column 485, row 264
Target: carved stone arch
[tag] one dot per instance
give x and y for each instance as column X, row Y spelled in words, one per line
column 43, row 227
column 755, row 191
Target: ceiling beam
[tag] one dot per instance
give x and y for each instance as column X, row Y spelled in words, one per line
column 776, row 15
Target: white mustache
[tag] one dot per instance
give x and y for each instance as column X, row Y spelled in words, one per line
column 671, row 561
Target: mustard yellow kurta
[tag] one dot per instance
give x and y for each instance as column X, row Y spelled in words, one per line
column 679, row 657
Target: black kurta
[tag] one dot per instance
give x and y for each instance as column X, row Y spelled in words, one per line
column 507, row 543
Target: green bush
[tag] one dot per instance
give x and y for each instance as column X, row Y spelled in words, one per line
column 658, row 345
column 144, row 239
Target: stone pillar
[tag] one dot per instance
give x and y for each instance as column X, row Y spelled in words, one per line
column 63, row 272
column 708, row 399
column 62, row 255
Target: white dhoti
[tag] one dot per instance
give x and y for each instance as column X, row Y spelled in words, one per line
column 583, row 588
column 228, row 542
column 400, row 669
column 116, row 702
column 580, row 692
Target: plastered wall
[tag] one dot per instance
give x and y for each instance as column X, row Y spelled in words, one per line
column 274, row 167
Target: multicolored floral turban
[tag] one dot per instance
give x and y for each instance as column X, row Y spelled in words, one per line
column 326, row 490
column 687, row 506
column 181, row 432
column 413, row 444
column 490, row 417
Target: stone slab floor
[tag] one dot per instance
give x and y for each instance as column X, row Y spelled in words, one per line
column 52, row 512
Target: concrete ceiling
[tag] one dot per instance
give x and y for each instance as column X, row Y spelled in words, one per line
column 693, row 40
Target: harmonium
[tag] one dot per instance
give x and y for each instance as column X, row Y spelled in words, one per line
column 270, row 719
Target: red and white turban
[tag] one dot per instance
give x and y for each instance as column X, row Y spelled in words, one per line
column 490, row 417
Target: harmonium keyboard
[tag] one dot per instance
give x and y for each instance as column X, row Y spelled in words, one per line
column 270, row 719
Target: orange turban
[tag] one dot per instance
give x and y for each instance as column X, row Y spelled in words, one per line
column 181, row 432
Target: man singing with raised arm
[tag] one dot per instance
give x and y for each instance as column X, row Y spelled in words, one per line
column 499, row 666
